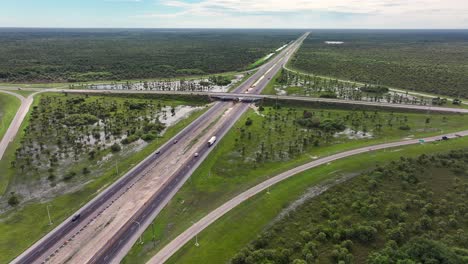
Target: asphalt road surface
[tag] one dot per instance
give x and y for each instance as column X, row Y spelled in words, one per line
column 171, row 248
column 124, row 238
column 16, row 122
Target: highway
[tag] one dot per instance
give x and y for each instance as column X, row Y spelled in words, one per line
column 122, row 242
column 165, row 253
column 50, row 247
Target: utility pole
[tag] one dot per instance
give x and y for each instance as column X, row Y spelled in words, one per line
column 48, row 214
column 141, row 240
column 196, row 241
column 196, row 236
column 154, row 237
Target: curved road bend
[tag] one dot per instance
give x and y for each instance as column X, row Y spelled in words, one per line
column 53, row 242
column 171, row 248
column 16, row 122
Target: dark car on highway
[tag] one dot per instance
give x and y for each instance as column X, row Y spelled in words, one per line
column 76, row 217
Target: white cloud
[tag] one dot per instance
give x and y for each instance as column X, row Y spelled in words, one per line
column 343, row 6
column 124, row 1
column 313, row 13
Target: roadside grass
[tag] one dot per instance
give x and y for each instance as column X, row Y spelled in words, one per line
column 260, row 61
column 223, row 239
column 220, row 177
column 8, row 107
column 21, row 227
column 270, row 88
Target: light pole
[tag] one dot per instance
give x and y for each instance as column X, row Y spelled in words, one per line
column 48, row 214
column 154, row 237
column 117, row 167
column 196, row 237
column 141, row 240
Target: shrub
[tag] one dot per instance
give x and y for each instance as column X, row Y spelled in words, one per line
column 13, row 200
column 130, row 139
column 405, row 127
column 148, row 137
column 80, row 120
column 328, row 95
column 69, row 176
column 85, row 171
column 116, row 147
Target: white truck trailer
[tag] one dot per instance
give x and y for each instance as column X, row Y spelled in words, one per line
column 211, row 141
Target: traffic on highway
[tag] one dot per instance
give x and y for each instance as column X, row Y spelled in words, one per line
column 114, row 248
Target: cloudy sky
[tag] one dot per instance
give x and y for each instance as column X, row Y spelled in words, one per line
column 235, row 13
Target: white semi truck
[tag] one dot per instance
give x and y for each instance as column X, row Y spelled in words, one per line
column 211, row 141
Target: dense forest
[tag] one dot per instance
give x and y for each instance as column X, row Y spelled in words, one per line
column 409, row 211
column 45, row 55
column 426, row 61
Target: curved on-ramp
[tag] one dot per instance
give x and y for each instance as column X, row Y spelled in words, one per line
column 171, row 248
column 15, row 123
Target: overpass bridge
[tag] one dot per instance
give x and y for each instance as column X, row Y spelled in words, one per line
column 250, row 98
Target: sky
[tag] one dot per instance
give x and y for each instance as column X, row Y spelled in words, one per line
column 406, row 14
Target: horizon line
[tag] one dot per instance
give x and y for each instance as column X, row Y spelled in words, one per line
column 227, row 28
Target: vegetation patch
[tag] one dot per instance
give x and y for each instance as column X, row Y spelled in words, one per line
column 70, row 136
column 26, row 221
column 409, row 211
column 88, row 55
column 420, row 60
column 289, row 82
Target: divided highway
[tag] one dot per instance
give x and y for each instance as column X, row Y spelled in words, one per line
column 122, row 242
column 115, row 248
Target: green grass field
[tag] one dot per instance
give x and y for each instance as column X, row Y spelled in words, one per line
column 225, row 173
column 8, row 107
column 22, row 226
column 260, row 62
column 223, row 239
